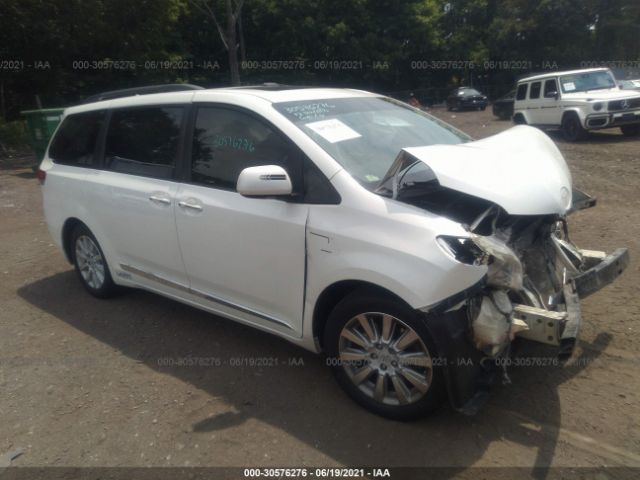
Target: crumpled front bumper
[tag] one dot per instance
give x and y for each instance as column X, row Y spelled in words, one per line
column 604, row 270
column 468, row 377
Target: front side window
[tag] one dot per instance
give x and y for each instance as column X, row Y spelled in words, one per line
column 535, row 90
column 366, row 134
column 522, row 91
column 75, row 140
column 227, row 141
column 550, row 87
column 144, row 141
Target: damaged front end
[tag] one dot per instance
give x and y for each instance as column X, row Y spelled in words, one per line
column 536, row 276
column 535, row 280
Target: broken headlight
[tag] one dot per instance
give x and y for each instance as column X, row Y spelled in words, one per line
column 505, row 268
column 462, row 249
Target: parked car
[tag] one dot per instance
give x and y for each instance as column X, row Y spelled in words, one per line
column 577, row 101
column 466, row 98
column 629, row 84
column 503, row 107
column 343, row 221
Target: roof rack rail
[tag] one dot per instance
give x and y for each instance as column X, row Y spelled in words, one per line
column 149, row 89
column 272, row 86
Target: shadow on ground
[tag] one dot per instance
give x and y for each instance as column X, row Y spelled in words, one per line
column 304, row 401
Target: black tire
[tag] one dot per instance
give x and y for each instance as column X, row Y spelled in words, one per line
column 519, row 119
column 98, row 286
column 343, row 314
column 630, row 130
column 572, row 130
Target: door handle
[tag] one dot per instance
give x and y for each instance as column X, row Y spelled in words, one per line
column 159, row 199
column 192, row 206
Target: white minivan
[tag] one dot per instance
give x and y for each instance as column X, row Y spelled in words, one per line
column 344, row 221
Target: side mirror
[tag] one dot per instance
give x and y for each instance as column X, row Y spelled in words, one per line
column 553, row 94
column 264, row 181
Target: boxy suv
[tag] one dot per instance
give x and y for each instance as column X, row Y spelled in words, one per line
column 341, row 220
column 577, row 101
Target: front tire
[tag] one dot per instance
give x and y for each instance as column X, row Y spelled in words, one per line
column 572, row 129
column 90, row 264
column 630, row 130
column 519, row 119
column 382, row 355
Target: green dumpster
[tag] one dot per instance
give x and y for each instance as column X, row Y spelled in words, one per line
column 41, row 125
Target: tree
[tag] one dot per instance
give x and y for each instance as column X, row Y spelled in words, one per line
column 64, row 48
column 230, row 30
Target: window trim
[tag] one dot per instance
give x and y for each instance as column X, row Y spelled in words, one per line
column 97, row 163
column 531, row 87
column 298, row 154
column 526, row 92
column 179, row 148
column 544, row 87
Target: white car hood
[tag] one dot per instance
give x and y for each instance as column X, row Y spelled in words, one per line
column 520, row 169
column 612, row 94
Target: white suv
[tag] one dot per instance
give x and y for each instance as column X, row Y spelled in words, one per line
column 577, row 101
column 343, row 221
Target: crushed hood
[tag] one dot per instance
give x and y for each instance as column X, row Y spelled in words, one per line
column 520, row 169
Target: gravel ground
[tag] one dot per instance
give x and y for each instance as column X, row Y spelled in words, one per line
column 83, row 382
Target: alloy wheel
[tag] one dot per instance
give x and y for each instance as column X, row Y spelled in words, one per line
column 385, row 358
column 90, row 262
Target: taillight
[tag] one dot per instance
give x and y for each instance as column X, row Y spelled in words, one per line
column 41, row 175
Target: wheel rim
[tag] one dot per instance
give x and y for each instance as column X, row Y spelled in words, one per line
column 385, row 358
column 90, row 262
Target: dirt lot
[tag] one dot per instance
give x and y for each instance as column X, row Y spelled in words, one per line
column 82, row 381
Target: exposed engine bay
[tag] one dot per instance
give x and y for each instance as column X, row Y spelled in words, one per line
column 535, row 274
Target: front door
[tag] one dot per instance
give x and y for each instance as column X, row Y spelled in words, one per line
column 245, row 256
column 550, row 110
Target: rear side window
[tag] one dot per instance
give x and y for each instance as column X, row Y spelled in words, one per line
column 226, row 141
column 535, row 90
column 75, row 140
column 522, row 91
column 144, row 141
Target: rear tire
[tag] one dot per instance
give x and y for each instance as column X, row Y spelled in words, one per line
column 90, row 264
column 382, row 355
column 630, row 130
column 572, row 128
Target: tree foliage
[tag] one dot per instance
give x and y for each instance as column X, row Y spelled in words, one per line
column 378, row 42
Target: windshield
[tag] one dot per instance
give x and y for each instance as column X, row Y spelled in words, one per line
column 468, row 91
column 366, row 134
column 582, row 82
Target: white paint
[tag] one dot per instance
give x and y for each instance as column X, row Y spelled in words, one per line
column 520, row 169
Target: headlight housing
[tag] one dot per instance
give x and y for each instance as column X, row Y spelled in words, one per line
column 462, row 249
column 505, row 268
column 597, row 106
